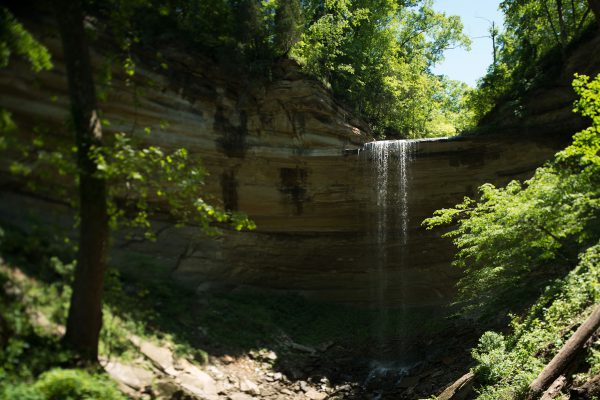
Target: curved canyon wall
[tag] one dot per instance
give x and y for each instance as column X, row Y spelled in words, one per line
column 286, row 154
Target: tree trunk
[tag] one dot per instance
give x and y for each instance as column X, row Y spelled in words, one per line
column 567, row 354
column 595, row 6
column 555, row 389
column 85, row 312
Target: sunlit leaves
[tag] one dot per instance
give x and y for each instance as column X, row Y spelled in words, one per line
column 588, row 103
column 146, row 180
column 15, row 39
column 507, row 364
column 524, row 231
column 535, row 40
column 376, row 55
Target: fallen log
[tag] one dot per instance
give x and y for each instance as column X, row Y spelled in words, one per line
column 566, row 354
column 555, row 389
column 460, row 389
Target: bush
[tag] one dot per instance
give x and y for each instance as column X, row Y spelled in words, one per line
column 20, row 391
column 506, row 366
column 74, row 384
column 63, row 384
column 490, row 355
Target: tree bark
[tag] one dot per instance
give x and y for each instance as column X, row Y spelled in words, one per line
column 567, row 354
column 85, row 312
column 555, row 389
column 460, row 389
column 595, row 6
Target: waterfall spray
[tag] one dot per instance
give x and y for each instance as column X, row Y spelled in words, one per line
column 390, row 171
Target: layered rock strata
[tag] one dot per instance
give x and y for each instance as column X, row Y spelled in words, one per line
column 286, row 154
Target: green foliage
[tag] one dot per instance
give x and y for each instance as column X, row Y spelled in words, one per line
column 450, row 114
column 15, row 39
column 377, row 56
column 513, row 239
column 491, row 358
column 506, row 366
column 21, row 391
column 535, row 41
column 74, row 384
column 64, row 384
column 143, row 181
column 544, row 24
column 589, row 98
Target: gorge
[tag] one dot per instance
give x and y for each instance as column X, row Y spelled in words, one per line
column 338, row 214
column 294, row 167
column 298, row 164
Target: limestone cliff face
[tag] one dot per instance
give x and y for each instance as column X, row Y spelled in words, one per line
column 286, row 154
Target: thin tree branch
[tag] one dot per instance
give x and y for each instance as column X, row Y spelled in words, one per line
column 557, row 37
column 581, row 22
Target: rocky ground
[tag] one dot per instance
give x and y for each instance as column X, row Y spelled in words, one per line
column 285, row 369
column 159, row 373
column 328, row 372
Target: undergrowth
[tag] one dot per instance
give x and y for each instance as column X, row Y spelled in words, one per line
column 508, row 364
column 33, row 364
column 534, row 239
column 142, row 300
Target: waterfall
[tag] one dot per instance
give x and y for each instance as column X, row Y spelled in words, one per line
column 390, row 173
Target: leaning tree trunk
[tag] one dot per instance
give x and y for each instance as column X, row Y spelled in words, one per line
column 566, row 354
column 460, row 389
column 85, row 312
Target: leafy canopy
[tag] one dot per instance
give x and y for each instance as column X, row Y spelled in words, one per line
column 536, row 38
column 376, row 55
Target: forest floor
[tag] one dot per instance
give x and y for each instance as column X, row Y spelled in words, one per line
column 161, row 340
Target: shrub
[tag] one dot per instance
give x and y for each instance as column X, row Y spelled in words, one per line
column 74, row 384
column 20, row 391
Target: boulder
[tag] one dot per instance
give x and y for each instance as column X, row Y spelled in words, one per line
column 135, row 377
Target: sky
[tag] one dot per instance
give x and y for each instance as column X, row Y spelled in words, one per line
column 460, row 64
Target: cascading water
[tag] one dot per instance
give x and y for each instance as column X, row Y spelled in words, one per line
column 390, row 160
